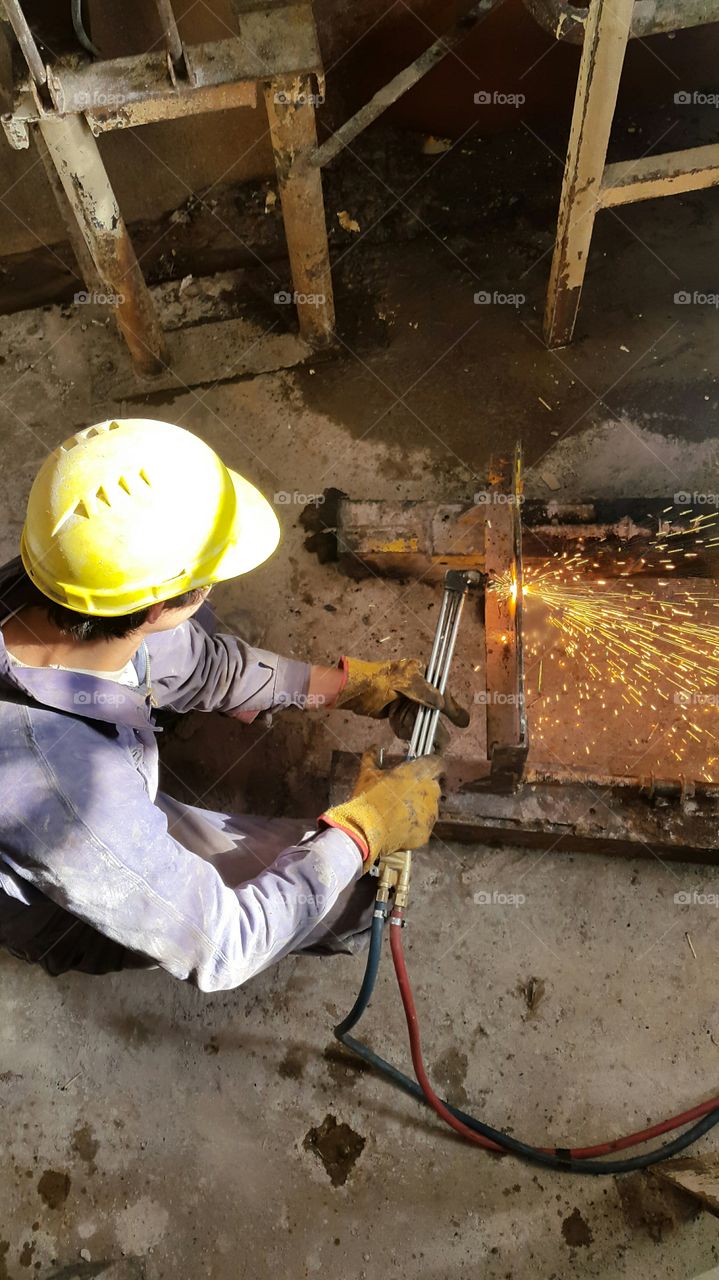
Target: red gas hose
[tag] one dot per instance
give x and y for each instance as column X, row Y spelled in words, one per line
column 405, row 989
column 575, row 1153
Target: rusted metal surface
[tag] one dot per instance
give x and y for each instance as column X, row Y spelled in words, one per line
column 409, row 539
column 681, row 789
column 123, row 94
column 565, row 816
column 16, row 130
column 145, row 81
column 567, row 21
column 400, row 83
column 506, row 717
column 74, row 153
column 276, row 46
column 574, row 816
column 622, row 531
column 170, row 33
column 424, row 539
column 600, row 70
column 281, row 43
column 141, row 88
column 670, row 174
column 589, row 184
column 223, row 97
column 86, row 266
column 291, row 114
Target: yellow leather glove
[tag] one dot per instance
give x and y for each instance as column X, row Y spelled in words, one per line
column 394, row 809
column 394, row 689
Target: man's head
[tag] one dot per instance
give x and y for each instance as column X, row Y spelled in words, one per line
column 131, row 521
column 84, row 627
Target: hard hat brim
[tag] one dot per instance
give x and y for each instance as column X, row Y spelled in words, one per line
column 255, row 535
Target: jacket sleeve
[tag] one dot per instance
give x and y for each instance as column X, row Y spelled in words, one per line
column 191, row 670
column 85, row 832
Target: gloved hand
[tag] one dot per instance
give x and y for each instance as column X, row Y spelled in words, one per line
column 395, row 689
column 392, row 809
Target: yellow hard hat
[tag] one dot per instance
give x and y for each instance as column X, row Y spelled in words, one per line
column 133, row 511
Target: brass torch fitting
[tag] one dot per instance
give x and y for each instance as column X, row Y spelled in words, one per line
column 394, row 873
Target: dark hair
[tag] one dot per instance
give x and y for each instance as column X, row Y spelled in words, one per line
column 83, row 626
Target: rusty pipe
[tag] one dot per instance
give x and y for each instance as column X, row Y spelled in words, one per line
column 170, row 32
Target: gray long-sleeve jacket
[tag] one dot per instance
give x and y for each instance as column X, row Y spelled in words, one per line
column 78, row 776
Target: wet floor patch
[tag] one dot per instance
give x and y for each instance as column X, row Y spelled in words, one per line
column 576, row 1231
column 337, row 1146
column 54, row 1188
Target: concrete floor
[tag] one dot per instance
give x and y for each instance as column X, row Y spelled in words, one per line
column 176, row 1133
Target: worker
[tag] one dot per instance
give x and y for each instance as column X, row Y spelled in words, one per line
column 104, row 623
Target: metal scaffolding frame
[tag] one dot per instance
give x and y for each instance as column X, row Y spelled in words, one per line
column 590, row 184
column 67, row 104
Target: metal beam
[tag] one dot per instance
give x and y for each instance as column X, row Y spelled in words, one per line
column 86, row 266
column 600, row 71
column 285, row 46
column 75, row 155
column 144, row 78
column 567, row 21
column 506, row 716
column 670, row 174
column 616, row 817
column 291, row 115
column 423, row 539
column 221, row 97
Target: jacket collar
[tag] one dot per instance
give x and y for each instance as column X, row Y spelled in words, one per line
column 85, row 696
